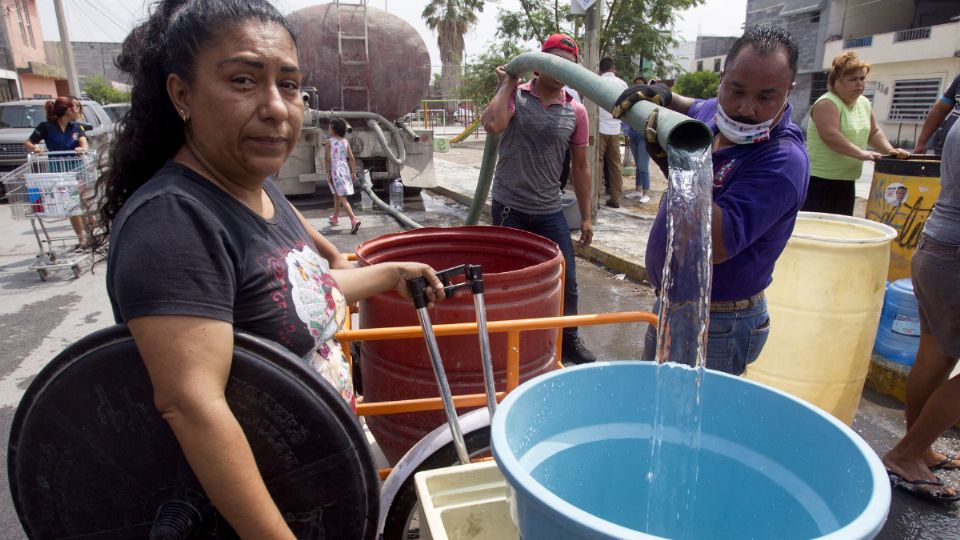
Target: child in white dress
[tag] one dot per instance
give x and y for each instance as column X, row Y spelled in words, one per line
column 343, row 168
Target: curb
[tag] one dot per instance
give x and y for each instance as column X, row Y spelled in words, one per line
column 608, row 259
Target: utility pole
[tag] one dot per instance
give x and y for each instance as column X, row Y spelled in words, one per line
column 591, row 61
column 72, row 81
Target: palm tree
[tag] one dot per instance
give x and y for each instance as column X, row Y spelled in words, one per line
column 451, row 19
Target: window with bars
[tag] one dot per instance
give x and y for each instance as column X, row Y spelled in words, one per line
column 818, row 86
column 23, row 30
column 870, row 90
column 26, row 20
column 912, row 99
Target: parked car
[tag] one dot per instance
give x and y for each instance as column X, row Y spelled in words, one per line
column 19, row 118
column 116, row 111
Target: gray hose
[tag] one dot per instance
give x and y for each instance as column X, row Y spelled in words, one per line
column 396, row 214
column 673, row 129
column 376, row 121
column 406, row 129
column 396, row 160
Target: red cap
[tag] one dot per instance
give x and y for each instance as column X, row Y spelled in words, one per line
column 562, row 42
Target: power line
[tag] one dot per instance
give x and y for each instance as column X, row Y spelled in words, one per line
column 96, row 8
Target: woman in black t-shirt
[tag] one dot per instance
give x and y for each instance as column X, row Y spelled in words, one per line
column 62, row 132
column 201, row 243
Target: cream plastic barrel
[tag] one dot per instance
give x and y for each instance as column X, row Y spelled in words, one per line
column 825, row 303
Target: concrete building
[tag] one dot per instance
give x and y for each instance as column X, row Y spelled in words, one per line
column 682, row 57
column 711, row 53
column 807, row 22
column 913, row 47
column 25, row 71
column 92, row 59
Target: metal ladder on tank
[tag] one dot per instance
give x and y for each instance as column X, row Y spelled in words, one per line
column 354, row 72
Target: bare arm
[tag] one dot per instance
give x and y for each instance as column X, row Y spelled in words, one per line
column 580, row 170
column 878, row 140
column 82, row 144
column 680, row 104
column 826, row 117
column 28, row 144
column 325, row 247
column 936, row 117
column 188, row 360
column 353, row 162
column 359, row 283
column 326, row 154
column 497, row 115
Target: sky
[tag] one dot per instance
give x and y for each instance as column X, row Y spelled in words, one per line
column 111, row 20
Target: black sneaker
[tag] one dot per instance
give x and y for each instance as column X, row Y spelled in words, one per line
column 612, row 203
column 575, row 352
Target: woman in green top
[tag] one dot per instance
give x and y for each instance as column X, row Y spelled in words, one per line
column 841, row 124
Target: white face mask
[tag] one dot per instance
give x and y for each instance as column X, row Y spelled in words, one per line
column 740, row 133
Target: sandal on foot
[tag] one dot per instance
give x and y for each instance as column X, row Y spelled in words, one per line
column 949, row 463
column 914, row 487
column 355, row 227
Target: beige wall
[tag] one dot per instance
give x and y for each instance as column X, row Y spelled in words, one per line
column 866, row 17
column 38, row 86
column 944, row 40
column 887, row 74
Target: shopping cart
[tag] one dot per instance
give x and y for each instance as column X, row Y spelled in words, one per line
column 50, row 187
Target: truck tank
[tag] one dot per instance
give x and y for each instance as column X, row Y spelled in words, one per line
column 381, row 75
column 394, row 78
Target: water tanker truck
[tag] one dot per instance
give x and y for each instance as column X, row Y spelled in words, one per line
column 370, row 68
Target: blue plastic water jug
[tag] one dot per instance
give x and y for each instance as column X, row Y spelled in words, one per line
column 898, row 337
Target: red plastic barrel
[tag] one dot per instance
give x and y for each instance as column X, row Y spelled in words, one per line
column 521, row 274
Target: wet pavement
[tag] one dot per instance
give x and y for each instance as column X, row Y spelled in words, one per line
column 39, row 319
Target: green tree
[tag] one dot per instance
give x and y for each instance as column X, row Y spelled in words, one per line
column 479, row 79
column 99, row 90
column 451, row 19
column 630, row 29
column 699, row 84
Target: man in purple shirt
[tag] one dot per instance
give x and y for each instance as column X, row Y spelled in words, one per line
column 760, row 175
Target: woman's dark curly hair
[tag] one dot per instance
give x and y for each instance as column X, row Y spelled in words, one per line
column 169, row 41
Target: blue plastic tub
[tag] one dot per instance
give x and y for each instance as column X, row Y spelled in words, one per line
column 898, row 336
column 574, row 445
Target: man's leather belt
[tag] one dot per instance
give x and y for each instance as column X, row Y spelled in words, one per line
column 737, row 305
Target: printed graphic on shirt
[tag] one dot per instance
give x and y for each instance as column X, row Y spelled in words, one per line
column 314, row 293
column 322, row 308
column 723, row 172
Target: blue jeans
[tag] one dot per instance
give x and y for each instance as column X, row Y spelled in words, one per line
column 734, row 339
column 552, row 227
column 638, row 148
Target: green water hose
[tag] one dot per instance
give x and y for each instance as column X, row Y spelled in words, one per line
column 487, row 166
column 674, row 130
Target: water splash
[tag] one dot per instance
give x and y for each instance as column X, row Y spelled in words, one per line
column 681, row 342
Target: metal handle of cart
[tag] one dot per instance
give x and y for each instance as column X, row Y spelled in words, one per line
column 473, row 278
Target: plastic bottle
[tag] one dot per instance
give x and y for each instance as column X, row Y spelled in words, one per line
column 396, row 194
